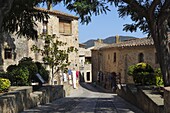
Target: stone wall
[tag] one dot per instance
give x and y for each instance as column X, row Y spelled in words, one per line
column 167, row 99
column 126, row 56
column 144, row 99
column 21, row 98
column 129, row 56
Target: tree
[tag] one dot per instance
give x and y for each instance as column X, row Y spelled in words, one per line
column 54, row 57
column 152, row 17
column 20, row 16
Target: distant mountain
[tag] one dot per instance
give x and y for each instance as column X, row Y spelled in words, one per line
column 109, row 40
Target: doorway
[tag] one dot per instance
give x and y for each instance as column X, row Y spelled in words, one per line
column 88, row 76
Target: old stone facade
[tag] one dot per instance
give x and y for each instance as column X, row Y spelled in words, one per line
column 118, row 57
column 85, row 64
column 61, row 25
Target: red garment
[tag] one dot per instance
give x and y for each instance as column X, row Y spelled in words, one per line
column 77, row 74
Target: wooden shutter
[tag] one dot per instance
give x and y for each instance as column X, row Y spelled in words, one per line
column 61, row 27
column 67, row 27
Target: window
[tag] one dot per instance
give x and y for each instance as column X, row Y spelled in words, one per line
column 45, row 31
column 65, row 27
column 8, row 53
column 141, row 57
column 114, row 57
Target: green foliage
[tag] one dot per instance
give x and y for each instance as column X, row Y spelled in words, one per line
column 52, row 55
column 85, row 8
column 42, row 71
column 25, row 72
column 158, row 77
column 3, row 75
column 22, row 18
column 4, row 84
column 19, row 76
column 11, row 67
column 31, row 66
column 142, row 74
column 131, row 70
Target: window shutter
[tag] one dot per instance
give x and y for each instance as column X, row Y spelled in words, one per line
column 67, row 27
column 61, row 27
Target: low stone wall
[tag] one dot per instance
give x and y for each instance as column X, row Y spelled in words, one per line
column 21, row 98
column 167, row 99
column 142, row 98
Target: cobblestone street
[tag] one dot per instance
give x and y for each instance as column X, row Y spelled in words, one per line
column 87, row 99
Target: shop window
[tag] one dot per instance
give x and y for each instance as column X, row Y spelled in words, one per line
column 8, row 53
column 65, row 27
column 141, row 57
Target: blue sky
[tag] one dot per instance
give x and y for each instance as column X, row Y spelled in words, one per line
column 103, row 26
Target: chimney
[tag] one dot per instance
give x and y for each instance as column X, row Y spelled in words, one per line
column 100, row 41
column 117, row 39
column 49, row 5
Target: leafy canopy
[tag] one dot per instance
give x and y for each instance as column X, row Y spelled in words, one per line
column 52, row 54
column 141, row 11
column 22, row 17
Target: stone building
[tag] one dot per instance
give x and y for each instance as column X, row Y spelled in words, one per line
column 118, row 57
column 61, row 25
column 85, row 63
column 85, row 60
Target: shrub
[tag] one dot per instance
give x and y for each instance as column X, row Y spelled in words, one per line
column 4, row 84
column 158, row 77
column 25, row 72
column 31, row 66
column 3, row 75
column 11, row 67
column 19, row 76
column 142, row 74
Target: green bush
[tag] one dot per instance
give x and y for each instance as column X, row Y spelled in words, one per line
column 25, row 72
column 4, row 84
column 142, row 73
column 11, row 67
column 3, row 75
column 158, row 77
column 19, row 76
column 31, row 66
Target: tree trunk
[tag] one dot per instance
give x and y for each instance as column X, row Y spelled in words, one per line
column 160, row 37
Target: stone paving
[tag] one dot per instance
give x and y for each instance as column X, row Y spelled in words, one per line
column 87, row 99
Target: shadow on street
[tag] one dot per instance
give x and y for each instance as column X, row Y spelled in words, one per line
column 94, row 88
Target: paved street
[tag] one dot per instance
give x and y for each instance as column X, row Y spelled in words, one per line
column 87, row 99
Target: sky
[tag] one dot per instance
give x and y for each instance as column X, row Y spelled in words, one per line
column 103, row 26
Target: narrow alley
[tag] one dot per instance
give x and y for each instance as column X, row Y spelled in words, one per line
column 87, row 99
